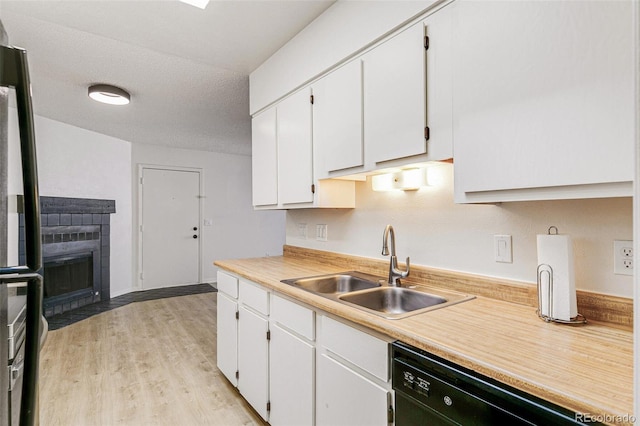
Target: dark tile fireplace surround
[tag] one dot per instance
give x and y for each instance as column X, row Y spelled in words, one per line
column 75, row 252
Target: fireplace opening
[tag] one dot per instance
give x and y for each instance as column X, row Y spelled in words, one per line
column 68, row 274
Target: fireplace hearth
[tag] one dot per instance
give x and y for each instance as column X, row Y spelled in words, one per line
column 75, row 252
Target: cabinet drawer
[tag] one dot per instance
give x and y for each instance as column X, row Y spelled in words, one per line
column 228, row 284
column 361, row 349
column 296, row 318
column 255, row 297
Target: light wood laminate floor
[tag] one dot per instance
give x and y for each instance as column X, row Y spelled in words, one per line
column 147, row 363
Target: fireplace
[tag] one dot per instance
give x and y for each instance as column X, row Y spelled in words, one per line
column 68, row 275
column 75, row 252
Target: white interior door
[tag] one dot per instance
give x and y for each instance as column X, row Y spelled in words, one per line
column 170, row 232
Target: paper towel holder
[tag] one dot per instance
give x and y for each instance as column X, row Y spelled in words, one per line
column 545, row 269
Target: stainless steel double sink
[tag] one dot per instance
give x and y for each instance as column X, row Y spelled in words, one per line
column 372, row 294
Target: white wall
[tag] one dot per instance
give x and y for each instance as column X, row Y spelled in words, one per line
column 237, row 230
column 434, row 231
column 77, row 163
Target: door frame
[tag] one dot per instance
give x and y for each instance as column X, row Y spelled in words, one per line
column 138, row 233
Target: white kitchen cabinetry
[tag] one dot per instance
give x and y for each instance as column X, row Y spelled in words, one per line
column 295, row 148
column 285, row 160
column 253, row 346
column 407, row 93
column 543, row 100
column 227, row 326
column 291, row 364
column 264, row 159
column 353, row 386
column 337, row 119
column 347, row 398
column 253, row 356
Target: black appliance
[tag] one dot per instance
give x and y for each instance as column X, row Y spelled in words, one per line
column 19, row 364
column 432, row 391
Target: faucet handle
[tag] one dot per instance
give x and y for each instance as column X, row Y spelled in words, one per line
column 405, row 274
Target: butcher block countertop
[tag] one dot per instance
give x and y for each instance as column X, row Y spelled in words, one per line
column 587, row 368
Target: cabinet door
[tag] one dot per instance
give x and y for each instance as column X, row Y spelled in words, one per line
column 395, row 97
column 227, row 337
column 253, row 360
column 295, row 150
column 337, row 119
column 346, row 398
column 264, row 158
column 291, row 370
column 543, row 94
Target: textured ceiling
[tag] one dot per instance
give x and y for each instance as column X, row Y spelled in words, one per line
column 186, row 69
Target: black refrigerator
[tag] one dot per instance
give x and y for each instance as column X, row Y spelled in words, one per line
column 20, row 284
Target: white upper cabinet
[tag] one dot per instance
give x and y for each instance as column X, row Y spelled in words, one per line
column 407, row 93
column 295, row 149
column 337, row 119
column 264, row 160
column 283, row 160
column 543, row 100
column 395, row 97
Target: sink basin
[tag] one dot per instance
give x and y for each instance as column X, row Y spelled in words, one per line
column 401, row 302
column 336, row 283
column 372, row 294
column 393, row 300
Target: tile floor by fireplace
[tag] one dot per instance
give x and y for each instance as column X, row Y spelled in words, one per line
column 84, row 312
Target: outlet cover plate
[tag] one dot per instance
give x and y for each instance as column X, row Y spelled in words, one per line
column 623, row 261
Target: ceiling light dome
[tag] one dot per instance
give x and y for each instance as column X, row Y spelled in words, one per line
column 108, row 94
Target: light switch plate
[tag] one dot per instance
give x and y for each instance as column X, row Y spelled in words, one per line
column 321, row 232
column 302, row 231
column 502, row 248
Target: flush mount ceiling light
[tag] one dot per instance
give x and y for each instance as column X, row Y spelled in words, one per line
column 108, row 94
column 201, row 4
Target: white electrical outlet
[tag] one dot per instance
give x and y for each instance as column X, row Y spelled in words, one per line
column 321, row 232
column 623, row 257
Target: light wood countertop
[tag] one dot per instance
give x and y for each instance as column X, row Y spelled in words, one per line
column 587, row 368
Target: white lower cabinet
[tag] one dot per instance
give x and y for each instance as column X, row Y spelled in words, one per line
column 353, row 376
column 296, row 366
column 253, row 360
column 292, row 379
column 227, row 337
column 227, row 322
column 242, row 339
column 291, row 363
column 344, row 397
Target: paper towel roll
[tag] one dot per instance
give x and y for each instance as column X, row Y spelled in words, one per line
column 557, row 251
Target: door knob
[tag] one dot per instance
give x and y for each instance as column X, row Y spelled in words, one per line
column 195, row 228
column 195, row 236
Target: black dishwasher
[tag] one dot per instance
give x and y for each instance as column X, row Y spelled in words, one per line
column 432, row 391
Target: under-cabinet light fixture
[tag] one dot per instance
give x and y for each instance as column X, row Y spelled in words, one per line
column 201, row 4
column 108, row 94
column 403, row 180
